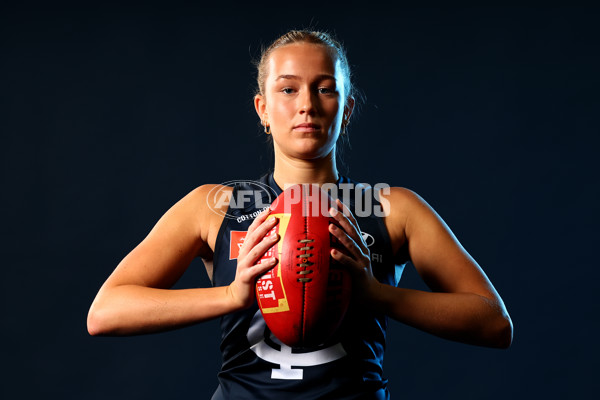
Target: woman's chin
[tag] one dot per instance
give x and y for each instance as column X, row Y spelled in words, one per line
column 312, row 153
column 307, row 148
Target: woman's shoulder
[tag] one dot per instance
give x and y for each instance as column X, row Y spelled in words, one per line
column 397, row 201
column 407, row 213
column 203, row 208
column 205, row 198
column 207, row 188
column 400, row 205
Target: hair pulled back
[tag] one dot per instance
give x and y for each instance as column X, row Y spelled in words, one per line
column 305, row 36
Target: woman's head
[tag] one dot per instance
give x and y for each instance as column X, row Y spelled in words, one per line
column 305, row 93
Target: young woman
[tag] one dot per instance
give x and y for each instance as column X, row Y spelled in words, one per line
column 304, row 102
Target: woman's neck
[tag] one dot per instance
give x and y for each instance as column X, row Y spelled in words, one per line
column 293, row 171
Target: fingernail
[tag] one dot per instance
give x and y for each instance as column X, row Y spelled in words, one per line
column 333, row 212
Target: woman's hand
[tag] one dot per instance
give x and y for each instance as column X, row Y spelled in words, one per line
column 258, row 240
column 355, row 254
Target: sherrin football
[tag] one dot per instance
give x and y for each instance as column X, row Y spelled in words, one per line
column 304, row 298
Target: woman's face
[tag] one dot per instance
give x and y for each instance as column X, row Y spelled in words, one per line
column 304, row 101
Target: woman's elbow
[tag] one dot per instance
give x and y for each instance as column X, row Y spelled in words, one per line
column 502, row 334
column 97, row 324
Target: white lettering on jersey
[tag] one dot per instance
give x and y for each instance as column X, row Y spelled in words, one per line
column 285, row 358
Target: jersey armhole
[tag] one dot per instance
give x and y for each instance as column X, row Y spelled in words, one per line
column 398, row 268
column 219, row 239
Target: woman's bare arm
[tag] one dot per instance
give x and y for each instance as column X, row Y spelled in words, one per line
column 137, row 298
column 463, row 305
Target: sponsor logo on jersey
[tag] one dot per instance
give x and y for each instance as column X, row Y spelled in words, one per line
column 236, row 240
column 248, row 217
column 368, row 238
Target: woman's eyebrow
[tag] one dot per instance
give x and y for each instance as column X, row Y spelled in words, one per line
column 295, row 77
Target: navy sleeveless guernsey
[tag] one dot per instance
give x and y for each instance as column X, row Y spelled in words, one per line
column 255, row 365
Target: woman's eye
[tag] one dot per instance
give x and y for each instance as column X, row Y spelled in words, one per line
column 287, row 90
column 325, row 90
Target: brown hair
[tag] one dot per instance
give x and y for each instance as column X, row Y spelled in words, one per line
column 305, row 36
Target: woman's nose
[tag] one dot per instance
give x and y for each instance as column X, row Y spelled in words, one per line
column 307, row 103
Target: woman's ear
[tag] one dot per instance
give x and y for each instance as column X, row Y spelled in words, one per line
column 260, row 106
column 348, row 108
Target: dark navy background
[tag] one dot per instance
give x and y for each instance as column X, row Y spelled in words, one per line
column 110, row 113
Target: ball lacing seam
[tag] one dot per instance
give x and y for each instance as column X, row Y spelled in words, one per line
column 305, row 260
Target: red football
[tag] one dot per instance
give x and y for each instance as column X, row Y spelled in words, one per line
column 304, row 298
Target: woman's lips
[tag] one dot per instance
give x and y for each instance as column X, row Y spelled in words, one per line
column 307, row 127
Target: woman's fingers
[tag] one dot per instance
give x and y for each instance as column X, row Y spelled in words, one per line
column 342, row 258
column 348, row 223
column 346, row 211
column 259, row 269
column 260, row 249
column 350, row 244
column 259, row 239
column 260, row 218
column 243, row 287
column 257, row 232
column 249, row 268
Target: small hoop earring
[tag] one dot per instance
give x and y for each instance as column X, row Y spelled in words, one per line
column 344, row 132
column 267, row 127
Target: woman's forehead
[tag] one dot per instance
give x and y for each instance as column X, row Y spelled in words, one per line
column 303, row 59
